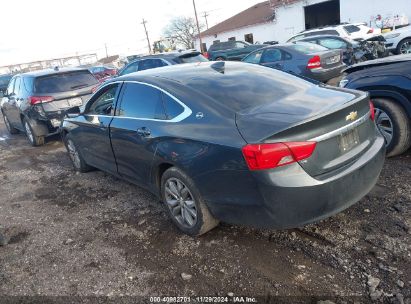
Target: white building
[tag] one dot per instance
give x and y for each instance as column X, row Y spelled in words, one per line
column 278, row 20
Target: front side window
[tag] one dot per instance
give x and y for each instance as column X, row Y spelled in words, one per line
column 150, row 64
column 103, row 102
column 254, row 57
column 141, row 101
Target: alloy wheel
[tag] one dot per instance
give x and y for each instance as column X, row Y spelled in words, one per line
column 181, row 202
column 384, row 124
column 74, row 156
column 29, row 133
column 405, row 48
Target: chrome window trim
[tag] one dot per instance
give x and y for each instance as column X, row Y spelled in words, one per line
column 183, row 115
column 343, row 129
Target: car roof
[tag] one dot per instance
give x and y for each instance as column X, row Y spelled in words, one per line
column 168, row 55
column 46, row 72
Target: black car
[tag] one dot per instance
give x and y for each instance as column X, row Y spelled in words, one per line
column 161, row 60
column 388, row 82
column 231, row 142
column 231, row 50
column 36, row 102
column 300, row 58
column 4, row 82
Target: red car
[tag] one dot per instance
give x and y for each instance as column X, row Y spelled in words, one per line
column 102, row 73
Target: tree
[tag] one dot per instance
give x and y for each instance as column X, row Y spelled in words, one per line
column 183, row 30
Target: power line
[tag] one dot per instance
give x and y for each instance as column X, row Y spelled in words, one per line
column 148, row 40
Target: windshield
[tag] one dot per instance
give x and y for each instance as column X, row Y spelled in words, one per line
column 196, row 57
column 307, row 48
column 64, row 82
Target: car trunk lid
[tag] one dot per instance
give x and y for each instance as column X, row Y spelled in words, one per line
column 338, row 121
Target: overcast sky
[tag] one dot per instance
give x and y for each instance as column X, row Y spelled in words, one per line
column 43, row 29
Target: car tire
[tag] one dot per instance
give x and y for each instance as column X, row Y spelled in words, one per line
column 34, row 139
column 220, row 59
column 185, row 206
column 403, row 45
column 11, row 129
column 393, row 122
column 76, row 158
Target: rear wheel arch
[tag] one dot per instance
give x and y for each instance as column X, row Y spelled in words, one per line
column 394, row 97
column 160, row 169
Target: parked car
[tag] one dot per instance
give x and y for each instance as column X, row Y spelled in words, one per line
column 161, row 60
column 301, row 58
column 231, row 50
column 4, row 82
column 353, row 31
column 353, row 51
column 399, row 41
column 388, row 82
column 332, row 42
column 231, row 142
column 103, row 72
column 35, row 102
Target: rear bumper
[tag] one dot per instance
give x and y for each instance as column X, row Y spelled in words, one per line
column 324, row 75
column 288, row 197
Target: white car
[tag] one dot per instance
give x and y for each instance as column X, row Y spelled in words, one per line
column 399, row 41
column 353, row 31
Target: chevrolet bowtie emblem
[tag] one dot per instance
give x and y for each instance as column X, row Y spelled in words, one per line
column 352, row 116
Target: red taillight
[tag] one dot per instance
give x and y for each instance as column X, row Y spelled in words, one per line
column 205, row 54
column 314, row 62
column 372, row 111
column 268, row 156
column 370, row 31
column 40, row 99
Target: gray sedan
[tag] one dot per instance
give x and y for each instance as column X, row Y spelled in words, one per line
column 300, row 58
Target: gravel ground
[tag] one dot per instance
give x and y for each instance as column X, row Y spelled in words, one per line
column 92, row 235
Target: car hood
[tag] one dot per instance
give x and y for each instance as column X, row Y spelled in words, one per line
column 378, row 62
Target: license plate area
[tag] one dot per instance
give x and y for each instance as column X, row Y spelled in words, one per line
column 75, row 102
column 333, row 59
column 349, row 140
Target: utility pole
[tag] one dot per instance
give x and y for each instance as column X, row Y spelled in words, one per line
column 205, row 17
column 105, row 46
column 198, row 27
column 148, row 40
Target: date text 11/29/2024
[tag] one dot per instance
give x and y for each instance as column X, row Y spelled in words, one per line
column 201, row 299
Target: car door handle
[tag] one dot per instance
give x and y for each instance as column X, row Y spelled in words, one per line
column 145, row 132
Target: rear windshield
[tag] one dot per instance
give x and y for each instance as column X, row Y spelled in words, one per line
column 4, row 80
column 307, row 48
column 191, row 58
column 64, row 82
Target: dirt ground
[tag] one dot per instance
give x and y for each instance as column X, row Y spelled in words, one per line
column 94, row 235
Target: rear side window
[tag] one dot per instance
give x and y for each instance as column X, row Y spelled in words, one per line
column 172, row 107
column 141, row 101
column 64, row 82
column 271, row 55
column 307, row 48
